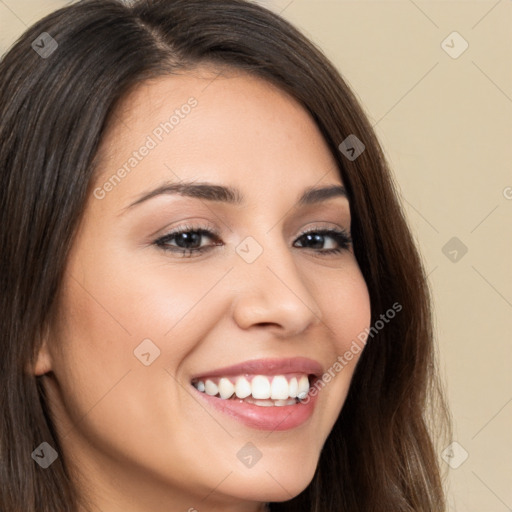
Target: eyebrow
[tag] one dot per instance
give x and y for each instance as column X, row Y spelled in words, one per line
column 232, row 195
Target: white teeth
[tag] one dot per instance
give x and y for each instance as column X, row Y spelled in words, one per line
column 243, row 387
column 293, row 387
column 260, row 387
column 262, row 390
column 210, row 388
column 226, row 389
column 303, row 387
column 279, row 388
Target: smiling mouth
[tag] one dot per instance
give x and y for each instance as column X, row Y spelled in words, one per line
column 262, row 390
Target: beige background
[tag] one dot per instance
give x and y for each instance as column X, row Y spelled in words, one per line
column 446, row 126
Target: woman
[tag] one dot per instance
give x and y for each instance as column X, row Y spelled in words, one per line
column 211, row 298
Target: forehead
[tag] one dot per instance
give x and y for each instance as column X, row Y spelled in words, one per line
column 214, row 125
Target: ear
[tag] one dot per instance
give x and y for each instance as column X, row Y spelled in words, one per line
column 43, row 363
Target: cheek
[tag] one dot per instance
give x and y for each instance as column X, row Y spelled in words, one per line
column 347, row 314
column 109, row 396
column 345, row 303
column 112, row 316
column 124, row 301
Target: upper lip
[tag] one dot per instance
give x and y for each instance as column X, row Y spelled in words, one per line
column 269, row 366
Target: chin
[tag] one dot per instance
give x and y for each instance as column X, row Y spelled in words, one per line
column 273, row 484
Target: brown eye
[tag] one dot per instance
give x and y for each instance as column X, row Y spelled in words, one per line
column 317, row 239
column 187, row 240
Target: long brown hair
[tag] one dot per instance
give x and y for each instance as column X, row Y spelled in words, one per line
column 381, row 454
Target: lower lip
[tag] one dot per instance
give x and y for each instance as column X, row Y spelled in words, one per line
column 273, row 418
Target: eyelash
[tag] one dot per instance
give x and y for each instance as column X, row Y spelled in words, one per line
column 340, row 236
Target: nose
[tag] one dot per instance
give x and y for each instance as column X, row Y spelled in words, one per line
column 272, row 291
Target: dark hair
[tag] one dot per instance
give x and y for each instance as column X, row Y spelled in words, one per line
column 381, row 454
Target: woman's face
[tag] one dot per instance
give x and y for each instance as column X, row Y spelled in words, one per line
column 145, row 335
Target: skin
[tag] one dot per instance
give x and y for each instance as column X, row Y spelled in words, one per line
column 136, row 437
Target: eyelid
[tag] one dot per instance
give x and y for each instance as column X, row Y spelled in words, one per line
column 328, row 226
column 183, row 225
